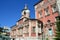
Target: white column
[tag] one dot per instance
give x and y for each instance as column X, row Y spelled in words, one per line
column 29, row 28
column 58, row 4
column 36, row 29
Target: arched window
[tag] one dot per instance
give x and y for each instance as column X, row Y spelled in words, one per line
column 48, row 22
column 50, row 31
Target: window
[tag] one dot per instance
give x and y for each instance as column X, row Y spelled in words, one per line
column 21, row 31
column 14, row 33
column 24, row 13
column 54, row 7
column 48, row 22
column 33, row 29
column 39, row 28
column 26, row 29
column 46, row 12
column 50, row 32
column 40, row 14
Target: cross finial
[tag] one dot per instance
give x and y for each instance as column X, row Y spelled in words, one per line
column 26, row 6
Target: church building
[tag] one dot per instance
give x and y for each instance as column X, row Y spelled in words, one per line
column 26, row 28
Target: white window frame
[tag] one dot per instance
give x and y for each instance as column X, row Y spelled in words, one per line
column 40, row 14
column 47, row 11
column 26, row 29
column 21, row 31
column 39, row 28
column 54, row 7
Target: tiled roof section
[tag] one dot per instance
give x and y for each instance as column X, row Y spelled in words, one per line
column 13, row 26
column 30, row 19
column 27, row 20
column 38, row 2
column 19, row 20
column 22, row 18
column 36, row 20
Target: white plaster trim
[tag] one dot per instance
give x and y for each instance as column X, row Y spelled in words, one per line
column 29, row 28
column 36, row 29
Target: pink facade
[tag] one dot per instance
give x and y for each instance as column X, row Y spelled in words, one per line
column 47, row 11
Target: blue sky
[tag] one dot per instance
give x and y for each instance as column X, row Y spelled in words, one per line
column 10, row 10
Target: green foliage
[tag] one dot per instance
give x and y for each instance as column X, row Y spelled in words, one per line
column 58, row 30
column 47, row 39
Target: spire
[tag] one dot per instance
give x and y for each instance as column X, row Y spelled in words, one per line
column 26, row 7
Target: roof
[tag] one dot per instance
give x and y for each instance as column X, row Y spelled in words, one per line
column 13, row 26
column 22, row 18
column 38, row 2
column 28, row 19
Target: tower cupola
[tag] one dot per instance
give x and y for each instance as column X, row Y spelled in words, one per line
column 25, row 12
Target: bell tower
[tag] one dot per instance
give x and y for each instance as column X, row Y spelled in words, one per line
column 25, row 12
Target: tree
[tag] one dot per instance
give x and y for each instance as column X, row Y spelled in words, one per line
column 58, row 28
column 1, row 30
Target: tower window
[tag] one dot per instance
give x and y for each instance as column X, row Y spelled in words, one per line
column 24, row 13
